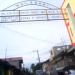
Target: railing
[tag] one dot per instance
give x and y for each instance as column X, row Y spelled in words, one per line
column 8, row 16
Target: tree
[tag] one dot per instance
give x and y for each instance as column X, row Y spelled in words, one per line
column 38, row 66
column 34, row 67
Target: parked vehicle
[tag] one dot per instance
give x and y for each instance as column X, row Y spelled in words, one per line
column 39, row 72
column 70, row 72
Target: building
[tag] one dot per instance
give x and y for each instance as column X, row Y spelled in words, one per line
column 8, row 69
column 56, row 55
column 57, row 50
column 64, row 57
column 15, row 61
column 4, row 67
column 68, row 8
column 48, row 68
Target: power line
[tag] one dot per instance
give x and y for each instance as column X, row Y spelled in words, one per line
column 25, row 35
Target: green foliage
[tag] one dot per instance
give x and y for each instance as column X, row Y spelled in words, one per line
column 34, row 67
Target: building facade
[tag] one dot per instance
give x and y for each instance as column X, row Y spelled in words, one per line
column 7, row 69
column 15, row 61
column 68, row 8
column 57, row 50
column 46, row 67
column 64, row 56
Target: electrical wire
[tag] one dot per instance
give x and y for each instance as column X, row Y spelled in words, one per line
column 25, row 35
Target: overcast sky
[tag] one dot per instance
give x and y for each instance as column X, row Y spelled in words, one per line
column 23, row 39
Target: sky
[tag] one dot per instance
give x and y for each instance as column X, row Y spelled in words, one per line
column 23, row 39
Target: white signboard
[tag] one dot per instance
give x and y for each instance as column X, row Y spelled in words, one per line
column 30, row 15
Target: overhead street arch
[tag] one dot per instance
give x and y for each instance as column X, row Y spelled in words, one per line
column 12, row 14
column 31, row 2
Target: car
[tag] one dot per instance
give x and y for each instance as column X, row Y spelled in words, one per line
column 70, row 72
column 39, row 72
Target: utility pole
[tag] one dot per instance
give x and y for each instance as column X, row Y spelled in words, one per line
column 38, row 56
column 5, row 54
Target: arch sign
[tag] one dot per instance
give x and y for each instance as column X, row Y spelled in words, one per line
column 12, row 14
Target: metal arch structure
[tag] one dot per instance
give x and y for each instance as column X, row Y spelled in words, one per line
column 31, row 2
column 12, row 14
